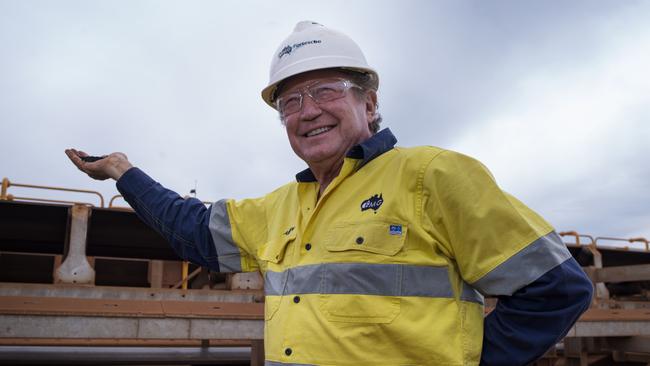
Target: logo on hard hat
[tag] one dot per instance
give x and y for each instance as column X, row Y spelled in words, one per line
column 285, row 51
column 288, row 49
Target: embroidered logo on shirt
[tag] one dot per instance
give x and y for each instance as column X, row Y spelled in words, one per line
column 289, row 230
column 373, row 202
column 395, row 230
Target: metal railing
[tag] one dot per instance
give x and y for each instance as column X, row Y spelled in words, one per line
column 631, row 240
column 6, row 183
column 597, row 242
column 578, row 236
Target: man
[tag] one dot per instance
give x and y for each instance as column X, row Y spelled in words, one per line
column 376, row 255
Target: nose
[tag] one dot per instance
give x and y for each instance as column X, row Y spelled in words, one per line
column 310, row 109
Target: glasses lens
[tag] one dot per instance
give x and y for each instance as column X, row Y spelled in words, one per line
column 320, row 92
column 327, row 91
column 289, row 103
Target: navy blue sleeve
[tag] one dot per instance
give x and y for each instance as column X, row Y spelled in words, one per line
column 525, row 325
column 183, row 222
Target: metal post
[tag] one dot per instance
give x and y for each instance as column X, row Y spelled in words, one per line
column 75, row 268
column 5, row 185
column 184, row 270
column 155, row 273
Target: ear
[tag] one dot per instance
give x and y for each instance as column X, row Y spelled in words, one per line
column 371, row 105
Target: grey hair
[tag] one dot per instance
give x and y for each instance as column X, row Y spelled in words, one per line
column 366, row 82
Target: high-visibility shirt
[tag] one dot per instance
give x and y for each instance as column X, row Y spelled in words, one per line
column 387, row 267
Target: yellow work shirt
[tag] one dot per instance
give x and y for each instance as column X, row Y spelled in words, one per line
column 389, row 266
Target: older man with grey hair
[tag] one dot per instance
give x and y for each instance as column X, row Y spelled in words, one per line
column 375, row 254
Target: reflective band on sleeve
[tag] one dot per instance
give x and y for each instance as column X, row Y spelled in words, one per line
column 365, row 279
column 228, row 254
column 525, row 267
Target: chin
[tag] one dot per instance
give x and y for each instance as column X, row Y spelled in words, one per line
column 316, row 156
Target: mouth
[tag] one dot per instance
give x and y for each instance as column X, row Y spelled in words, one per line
column 318, row 131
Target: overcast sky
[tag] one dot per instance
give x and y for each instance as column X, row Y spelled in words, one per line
column 553, row 96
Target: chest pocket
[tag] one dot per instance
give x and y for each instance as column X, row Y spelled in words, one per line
column 274, row 250
column 364, row 283
column 357, row 239
column 270, row 257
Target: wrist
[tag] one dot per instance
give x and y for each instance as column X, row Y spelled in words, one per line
column 120, row 168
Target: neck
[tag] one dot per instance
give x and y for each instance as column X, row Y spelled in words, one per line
column 326, row 173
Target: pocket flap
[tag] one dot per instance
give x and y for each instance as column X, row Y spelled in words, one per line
column 273, row 251
column 380, row 237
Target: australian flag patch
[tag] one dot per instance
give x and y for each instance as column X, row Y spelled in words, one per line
column 395, row 230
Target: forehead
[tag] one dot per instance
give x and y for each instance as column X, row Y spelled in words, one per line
column 306, row 78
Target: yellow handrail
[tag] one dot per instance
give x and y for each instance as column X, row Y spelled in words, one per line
column 632, row 240
column 578, row 236
column 110, row 203
column 6, row 184
column 11, row 197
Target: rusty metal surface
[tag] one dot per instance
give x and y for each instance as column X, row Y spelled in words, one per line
column 221, row 310
column 70, row 306
column 601, row 315
column 129, row 308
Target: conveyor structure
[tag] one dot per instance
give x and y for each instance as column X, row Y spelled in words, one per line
column 83, row 284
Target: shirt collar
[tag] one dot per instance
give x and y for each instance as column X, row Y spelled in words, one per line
column 366, row 151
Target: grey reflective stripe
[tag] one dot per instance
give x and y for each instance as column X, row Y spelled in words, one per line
column 228, row 254
column 364, row 279
column 273, row 363
column 523, row 268
column 470, row 294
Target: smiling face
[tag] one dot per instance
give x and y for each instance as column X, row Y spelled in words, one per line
column 321, row 134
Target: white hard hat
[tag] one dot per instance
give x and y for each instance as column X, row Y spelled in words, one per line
column 313, row 46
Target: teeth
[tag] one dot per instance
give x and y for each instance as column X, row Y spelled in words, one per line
column 318, row 131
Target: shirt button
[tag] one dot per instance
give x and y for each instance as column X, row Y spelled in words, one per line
column 307, row 246
column 287, row 351
column 360, row 240
column 296, row 299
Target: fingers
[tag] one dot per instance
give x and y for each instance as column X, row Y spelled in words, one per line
column 74, row 157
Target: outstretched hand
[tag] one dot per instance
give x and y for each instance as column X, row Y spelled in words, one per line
column 110, row 166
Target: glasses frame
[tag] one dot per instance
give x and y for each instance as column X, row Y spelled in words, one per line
column 307, row 90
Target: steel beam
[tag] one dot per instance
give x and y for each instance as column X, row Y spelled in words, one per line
column 52, row 326
column 120, row 355
column 639, row 272
column 125, row 293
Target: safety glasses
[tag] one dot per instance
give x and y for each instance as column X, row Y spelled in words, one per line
column 321, row 91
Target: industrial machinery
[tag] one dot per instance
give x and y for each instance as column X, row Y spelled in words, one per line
column 83, row 283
